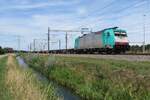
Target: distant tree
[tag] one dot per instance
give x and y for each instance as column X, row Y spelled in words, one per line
column 1, row 50
column 8, row 50
column 137, row 48
column 147, row 47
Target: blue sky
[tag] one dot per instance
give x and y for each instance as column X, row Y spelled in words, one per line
column 30, row 19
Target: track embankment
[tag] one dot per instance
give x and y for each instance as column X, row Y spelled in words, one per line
column 115, row 57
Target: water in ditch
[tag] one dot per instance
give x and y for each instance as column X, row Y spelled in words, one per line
column 61, row 91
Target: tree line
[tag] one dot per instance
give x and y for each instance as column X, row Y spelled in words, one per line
column 139, row 49
column 6, row 50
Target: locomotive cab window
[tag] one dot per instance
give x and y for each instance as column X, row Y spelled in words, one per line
column 120, row 34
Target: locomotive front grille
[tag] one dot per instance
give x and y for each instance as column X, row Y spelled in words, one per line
column 122, row 46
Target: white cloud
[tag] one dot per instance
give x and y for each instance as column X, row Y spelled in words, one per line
column 26, row 5
column 82, row 11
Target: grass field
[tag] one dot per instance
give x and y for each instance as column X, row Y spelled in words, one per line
column 17, row 83
column 96, row 79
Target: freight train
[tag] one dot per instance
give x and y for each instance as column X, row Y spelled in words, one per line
column 110, row 40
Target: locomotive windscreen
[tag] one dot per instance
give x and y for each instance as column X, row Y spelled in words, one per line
column 123, row 34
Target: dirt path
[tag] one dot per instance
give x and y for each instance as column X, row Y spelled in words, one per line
column 20, row 83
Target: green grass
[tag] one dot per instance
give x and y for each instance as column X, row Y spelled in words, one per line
column 96, row 79
column 4, row 91
column 17, row 83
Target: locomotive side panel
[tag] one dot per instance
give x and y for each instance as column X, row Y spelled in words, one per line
column 97, row 41
column 91, row 41
column 81, row 43
column 108, row 38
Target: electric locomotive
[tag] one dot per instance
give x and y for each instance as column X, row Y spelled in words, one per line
column 110, row 40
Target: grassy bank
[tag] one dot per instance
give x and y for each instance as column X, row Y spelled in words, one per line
column 23, row 84
column 4, row 91
column 96, row 79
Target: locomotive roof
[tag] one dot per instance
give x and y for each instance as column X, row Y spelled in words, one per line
column 99, row 32
column 116, row 29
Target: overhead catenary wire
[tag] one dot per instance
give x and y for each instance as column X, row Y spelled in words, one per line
column 123, row 10
column 101, row 12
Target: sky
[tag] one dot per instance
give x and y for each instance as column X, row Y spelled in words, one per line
column 25, row 20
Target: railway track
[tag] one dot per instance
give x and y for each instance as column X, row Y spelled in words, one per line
column 146, row 54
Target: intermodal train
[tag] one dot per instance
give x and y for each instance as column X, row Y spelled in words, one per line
column 110, row 40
